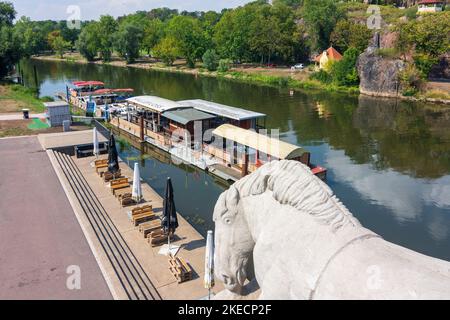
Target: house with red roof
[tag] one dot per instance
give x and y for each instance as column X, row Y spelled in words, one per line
column 427, row 6
column 331, row 54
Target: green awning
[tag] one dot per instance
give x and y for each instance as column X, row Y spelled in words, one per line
column 185, row 116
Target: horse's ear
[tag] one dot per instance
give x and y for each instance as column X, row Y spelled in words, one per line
column 232, row 199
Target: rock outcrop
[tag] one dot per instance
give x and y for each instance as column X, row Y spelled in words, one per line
column 379, row 76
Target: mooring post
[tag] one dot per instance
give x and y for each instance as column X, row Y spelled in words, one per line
column 141, row 124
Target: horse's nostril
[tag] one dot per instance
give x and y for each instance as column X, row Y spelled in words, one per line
column 225, row 278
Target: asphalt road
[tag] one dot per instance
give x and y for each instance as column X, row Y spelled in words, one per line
column 42, row 246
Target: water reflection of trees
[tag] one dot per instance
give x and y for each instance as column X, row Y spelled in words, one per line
column 408, row 137
column 411, row 138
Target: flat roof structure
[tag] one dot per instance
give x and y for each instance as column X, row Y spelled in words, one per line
column 55, row 104
column 154, row 103
column 184, row 116
column 68, row 139
column 254, row 140
column 221, row 109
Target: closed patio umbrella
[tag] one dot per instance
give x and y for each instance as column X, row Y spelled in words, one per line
column 95, row 141
column 113, row 160
column 169, row 222
column 209, row 263
column 137, row 191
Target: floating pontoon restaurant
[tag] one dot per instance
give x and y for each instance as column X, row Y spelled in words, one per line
column 251, row 150
column 154, row 119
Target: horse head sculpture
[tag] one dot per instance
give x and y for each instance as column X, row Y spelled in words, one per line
column 284, row 226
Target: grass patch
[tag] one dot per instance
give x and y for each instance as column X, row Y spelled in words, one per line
column 437, row 94
column 21, row 97
column 390, row 53
column 286, row 82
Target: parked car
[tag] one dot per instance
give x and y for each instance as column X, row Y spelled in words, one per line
column 298, row 66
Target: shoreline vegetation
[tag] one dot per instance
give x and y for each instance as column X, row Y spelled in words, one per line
column 274, row 77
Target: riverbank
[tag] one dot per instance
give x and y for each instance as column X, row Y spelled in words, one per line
column 273, row 77
column 14, row 98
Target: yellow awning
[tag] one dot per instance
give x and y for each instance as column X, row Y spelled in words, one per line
column 254, row 140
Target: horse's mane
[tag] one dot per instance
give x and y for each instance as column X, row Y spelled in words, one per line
column 291, row 183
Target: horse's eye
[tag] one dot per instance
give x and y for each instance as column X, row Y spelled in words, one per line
column 227, row 220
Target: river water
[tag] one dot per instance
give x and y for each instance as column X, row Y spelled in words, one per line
column 387, row 160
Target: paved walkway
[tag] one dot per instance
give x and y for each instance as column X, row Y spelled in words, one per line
column 39, row 234
column 19, row 116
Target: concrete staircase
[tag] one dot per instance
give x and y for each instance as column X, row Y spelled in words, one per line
column 130, row 273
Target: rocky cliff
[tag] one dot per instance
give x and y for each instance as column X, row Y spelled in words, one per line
column 379, row 76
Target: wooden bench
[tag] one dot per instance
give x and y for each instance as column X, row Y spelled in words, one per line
column 126, row 200
column 108, row 176
column 119, row 184
column 147, row 227
column 100, row 164
column 157, row 237
column 122, row 192
column 180, row 269
column 141, row 214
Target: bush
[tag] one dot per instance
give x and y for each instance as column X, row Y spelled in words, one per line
column 411, row 80
column 167, row 50
column 321, row 76
column 344, row 72
column 424, row 63
column 210, row 60
column 224, row 65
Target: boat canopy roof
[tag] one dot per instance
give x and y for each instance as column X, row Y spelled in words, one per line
column 222, row 110
column 156, row 104
column 87, row 83
column 184, row 116
column 260, row 142
column 105, row 91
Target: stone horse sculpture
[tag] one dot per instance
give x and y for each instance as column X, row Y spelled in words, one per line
column 284, row 226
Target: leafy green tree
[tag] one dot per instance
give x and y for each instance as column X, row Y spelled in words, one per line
column 107, row 27
column 59, row 45
column 430, row 35
column 210, row 60
column 167, row 50
column 190, row 38
column 320, row 17
column 7, row 13
column 232, row 33
column 10, row 44
column 348, row 34
column 153, row 33
column 344, row 72
column 128, row 41
column 88, row 42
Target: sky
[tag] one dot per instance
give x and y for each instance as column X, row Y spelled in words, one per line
column 92, row 9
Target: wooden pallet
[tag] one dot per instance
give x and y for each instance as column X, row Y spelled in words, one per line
column 180, row 269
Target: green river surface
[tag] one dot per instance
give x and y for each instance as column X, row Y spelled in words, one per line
column 387, row 160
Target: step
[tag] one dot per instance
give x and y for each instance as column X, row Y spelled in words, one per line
column 132, row 277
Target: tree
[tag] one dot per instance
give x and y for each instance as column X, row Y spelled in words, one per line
column 344, row 72
column 88, row 42
column 59, row 45
column 10, row 45
column 210, row 60
column 348, row 34
column 320, row 17
column 7, row 13
column 153, row 33
column 167, row 50
column 190, row 38
column 128, row 41
column 107, row 27
column 232, row 33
